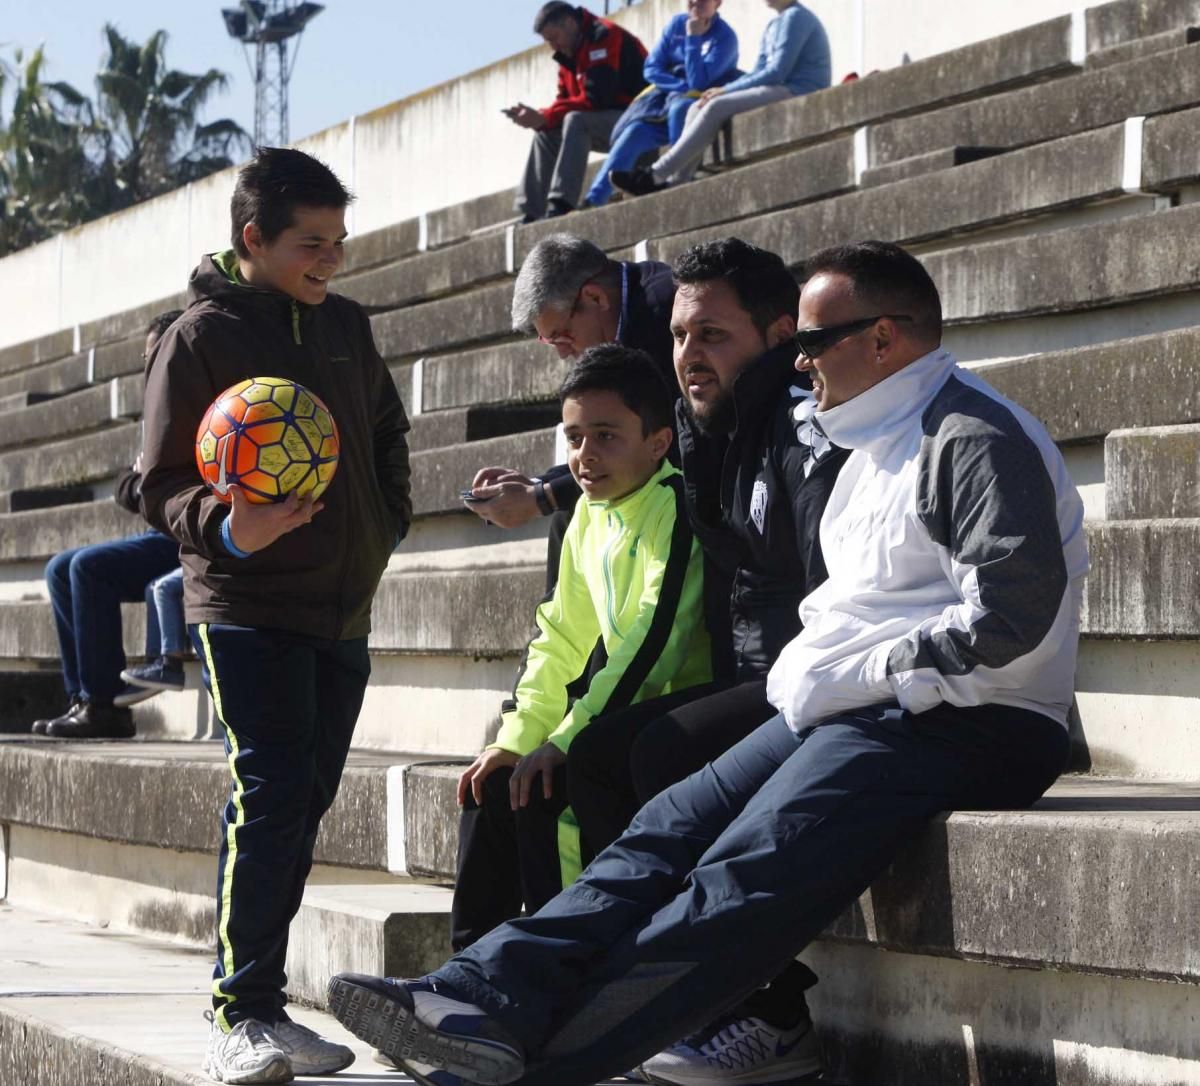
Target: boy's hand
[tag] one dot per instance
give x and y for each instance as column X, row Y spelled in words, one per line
column 253, row 527
column 708, row 96
column 479, row 771
column 525, row 116
column 509, row 499
column 545, row 760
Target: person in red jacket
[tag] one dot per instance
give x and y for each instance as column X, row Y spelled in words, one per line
column 599, row 74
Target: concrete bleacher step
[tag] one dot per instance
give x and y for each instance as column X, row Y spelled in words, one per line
column 1151, row 45
column 83, row 1005
column 22, row 501
column 117, row 400
column 478, row 422
column 1153, row 472
column 930, row 162
column 1160, row 83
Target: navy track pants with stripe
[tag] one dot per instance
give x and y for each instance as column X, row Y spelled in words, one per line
column 288, row 704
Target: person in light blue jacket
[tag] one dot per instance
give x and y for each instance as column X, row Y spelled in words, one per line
column 697, row 51
column 794, row 59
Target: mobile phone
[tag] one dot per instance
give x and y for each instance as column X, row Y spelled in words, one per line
column 474, row 499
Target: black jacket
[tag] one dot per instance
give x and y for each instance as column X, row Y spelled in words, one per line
column 320, row 578
column 756, row 512
column 646, row 325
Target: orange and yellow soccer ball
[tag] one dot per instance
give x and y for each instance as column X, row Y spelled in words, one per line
column 269, row 436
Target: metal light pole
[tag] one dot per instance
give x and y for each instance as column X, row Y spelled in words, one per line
column 268, row 26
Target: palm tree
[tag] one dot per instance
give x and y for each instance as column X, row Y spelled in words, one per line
column 150, row 112
column 48, row 176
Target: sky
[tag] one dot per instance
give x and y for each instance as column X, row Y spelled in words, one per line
column 354, row 56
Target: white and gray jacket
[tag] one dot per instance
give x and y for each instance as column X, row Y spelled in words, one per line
column 956, row 554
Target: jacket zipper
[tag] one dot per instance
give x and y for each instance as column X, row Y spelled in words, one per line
column 295, row 323
column 609, row 592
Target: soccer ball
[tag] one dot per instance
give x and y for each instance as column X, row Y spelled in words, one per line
column 269, row 436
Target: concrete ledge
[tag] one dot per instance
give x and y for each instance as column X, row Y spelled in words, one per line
column 21, row 501
column 1031, row 114
column 1137, row 48
column 1033, row 53
column 919, row 165
column 1144, row 581
column 518, row 372
column 442, row 429
column 39, row 534
column 1169, row 156
column 63, row 375
column 1126, row 20
column 381, row 246
column 439, row 474
column 1068, row 270
column 428, row 275
column 77, row 460
column 1152, row 473
column 1084, row 393
column 129, row 323
column 451, row 322
column 797, row 178
column 33, row 352
column 88, row 409
column 1020, row 184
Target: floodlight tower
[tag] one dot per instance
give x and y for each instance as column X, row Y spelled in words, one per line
column 269, row 25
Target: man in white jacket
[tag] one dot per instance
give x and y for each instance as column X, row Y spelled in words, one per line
column 934, row 672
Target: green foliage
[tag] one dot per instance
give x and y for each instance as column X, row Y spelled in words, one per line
column 65, row 159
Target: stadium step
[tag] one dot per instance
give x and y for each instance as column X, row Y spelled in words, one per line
column 453, row 426
column 1153, row 472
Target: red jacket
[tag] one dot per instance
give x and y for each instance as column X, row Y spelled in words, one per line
column 604, row 73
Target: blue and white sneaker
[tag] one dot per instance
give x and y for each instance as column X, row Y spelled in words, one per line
column 739, row 1052
column 439, row 1040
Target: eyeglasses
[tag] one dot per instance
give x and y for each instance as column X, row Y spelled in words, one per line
column 563, row 334
column 814, row 342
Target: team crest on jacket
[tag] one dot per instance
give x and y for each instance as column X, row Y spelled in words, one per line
column 758, row 504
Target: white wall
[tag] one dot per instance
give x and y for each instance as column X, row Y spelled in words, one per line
column 437, row 148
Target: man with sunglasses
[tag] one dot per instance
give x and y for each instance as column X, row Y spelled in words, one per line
column 571, row 296
column 935, row 672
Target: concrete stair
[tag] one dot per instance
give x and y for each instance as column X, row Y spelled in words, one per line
column 1049, row 180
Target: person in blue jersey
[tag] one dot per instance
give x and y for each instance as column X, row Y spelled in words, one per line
column 794, row 59
column 697, row 51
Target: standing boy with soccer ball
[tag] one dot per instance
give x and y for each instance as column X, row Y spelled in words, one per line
column 277, row 596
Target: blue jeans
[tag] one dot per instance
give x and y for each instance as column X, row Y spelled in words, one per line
column 635, row 141
column 87, row 587
column 166, row 631
column 756, row 854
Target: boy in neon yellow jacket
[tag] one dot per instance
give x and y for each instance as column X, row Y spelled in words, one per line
column 630, row 579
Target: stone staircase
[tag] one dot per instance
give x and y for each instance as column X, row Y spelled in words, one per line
column 1050, row 179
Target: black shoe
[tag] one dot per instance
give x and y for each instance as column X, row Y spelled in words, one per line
column 39, row 727
column 635, row 182
column 94, row 722
column 556, row 209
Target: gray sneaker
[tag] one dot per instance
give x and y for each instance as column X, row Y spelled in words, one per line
column 309, row 1052
column 738, row 1051
column 249, row 1053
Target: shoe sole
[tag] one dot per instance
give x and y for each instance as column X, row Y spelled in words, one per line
column 151, row 684
column 388, row 1024
column 124, row 701
column 278, row 1070
column 324, row 1069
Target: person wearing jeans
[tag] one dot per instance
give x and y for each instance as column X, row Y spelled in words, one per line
column 935, row 671
column 794, row 59
column 166, row 637
column 697, row 50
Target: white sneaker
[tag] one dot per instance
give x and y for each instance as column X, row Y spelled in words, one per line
column 739, row 1050
column 249, row 1053
column 309, row 1052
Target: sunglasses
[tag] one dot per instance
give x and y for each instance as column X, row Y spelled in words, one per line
column 563, row 334
column 814, row 342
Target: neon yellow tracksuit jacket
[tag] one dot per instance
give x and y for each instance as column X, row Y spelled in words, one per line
column 631, row 576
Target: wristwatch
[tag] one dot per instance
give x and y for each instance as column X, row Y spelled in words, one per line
column 542, row 498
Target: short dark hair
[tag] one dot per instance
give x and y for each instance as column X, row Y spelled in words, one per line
column 887, row 279
column 764, row 287
column 554, row 12
column 632, row 375
column 275, row 182
column 162, row 322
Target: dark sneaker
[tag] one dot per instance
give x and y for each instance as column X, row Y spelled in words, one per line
column 635, row 182
column 130, row 695
column 94, row 722
column 739, row 1052
column 161, row 674
column 39, row 727
column 439, row 1040
column 556, row 209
